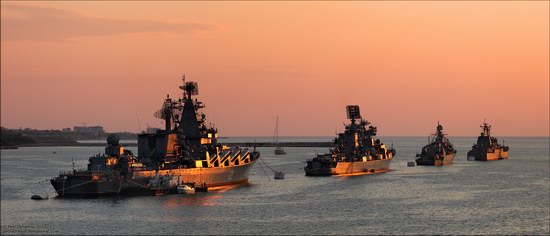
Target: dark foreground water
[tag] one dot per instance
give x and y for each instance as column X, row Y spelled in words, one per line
column 501, row 197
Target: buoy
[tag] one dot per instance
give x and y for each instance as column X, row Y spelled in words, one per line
column 38, row 197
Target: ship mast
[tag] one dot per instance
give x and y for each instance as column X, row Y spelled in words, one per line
column 276, row 138
column 190, row 131
column 167, row 113
column 486, row 128
column 439, row 135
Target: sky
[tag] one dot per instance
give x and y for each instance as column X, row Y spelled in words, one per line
column 406, row 64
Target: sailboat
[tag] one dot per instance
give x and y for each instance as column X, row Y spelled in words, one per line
column 278, row 150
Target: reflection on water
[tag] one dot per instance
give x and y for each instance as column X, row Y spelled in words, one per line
column 202, row 199
column 221, row 189
column 209, row 198
column 501, row 197
column 343, row 176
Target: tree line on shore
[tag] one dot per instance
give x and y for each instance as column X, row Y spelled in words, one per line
column 13, row 137
column 27, row 136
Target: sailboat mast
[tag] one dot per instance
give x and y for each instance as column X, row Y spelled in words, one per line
column 278, row 150
column 277, row 131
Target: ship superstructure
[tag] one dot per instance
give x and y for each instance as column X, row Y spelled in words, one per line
column 188, row 149
column 487, row 147
column 354, row 151
column 439, row 151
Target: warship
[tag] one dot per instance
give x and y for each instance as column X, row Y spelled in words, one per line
column 487, row 147
column 104, row 175
column 186, row 152
column 354, row 151
column 438, row 152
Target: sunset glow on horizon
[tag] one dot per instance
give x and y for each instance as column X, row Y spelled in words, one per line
column 407, row 65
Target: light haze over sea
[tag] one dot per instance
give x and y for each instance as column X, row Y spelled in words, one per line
column 500, row 197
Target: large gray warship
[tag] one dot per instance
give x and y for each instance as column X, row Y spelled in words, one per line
column 355, row 151
column 438, row 152
column 185, row 152
column 487, row 148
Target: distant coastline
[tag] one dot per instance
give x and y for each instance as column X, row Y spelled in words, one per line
column 239, row 144
column 15, row 138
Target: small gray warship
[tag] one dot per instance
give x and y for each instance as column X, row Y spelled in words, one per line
column 487, row 147
column 355, row 151
column 186, row 152
column 438, row 152
column 104, row 175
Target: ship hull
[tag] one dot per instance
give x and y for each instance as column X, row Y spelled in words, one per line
column 498, row 154
column 347, row 168
column 206, row 177
column 318, row 172
column 447, row 160
column 280, row 152
column 85, row 186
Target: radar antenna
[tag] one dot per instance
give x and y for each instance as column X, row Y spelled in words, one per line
column 190, row 88
column 353, row 112
column 171, row 110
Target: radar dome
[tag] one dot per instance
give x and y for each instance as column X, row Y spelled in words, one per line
column 113, row 139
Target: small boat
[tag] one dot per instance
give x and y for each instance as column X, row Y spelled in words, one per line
column 279, row 175
column 186, row 189
column 164, row 184
column 278, row 150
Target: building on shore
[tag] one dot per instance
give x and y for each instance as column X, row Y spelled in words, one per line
column 89, row 130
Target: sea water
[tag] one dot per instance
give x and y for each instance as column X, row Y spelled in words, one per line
column 500, row 197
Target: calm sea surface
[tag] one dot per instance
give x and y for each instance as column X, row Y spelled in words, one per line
column 500, row 197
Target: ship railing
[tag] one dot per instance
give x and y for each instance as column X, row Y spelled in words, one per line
column 325, row 157
column 199, row 105
column 61, row 173
column 138, row 167
column 75, row 172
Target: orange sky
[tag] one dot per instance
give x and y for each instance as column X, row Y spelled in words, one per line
column 407, row 64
